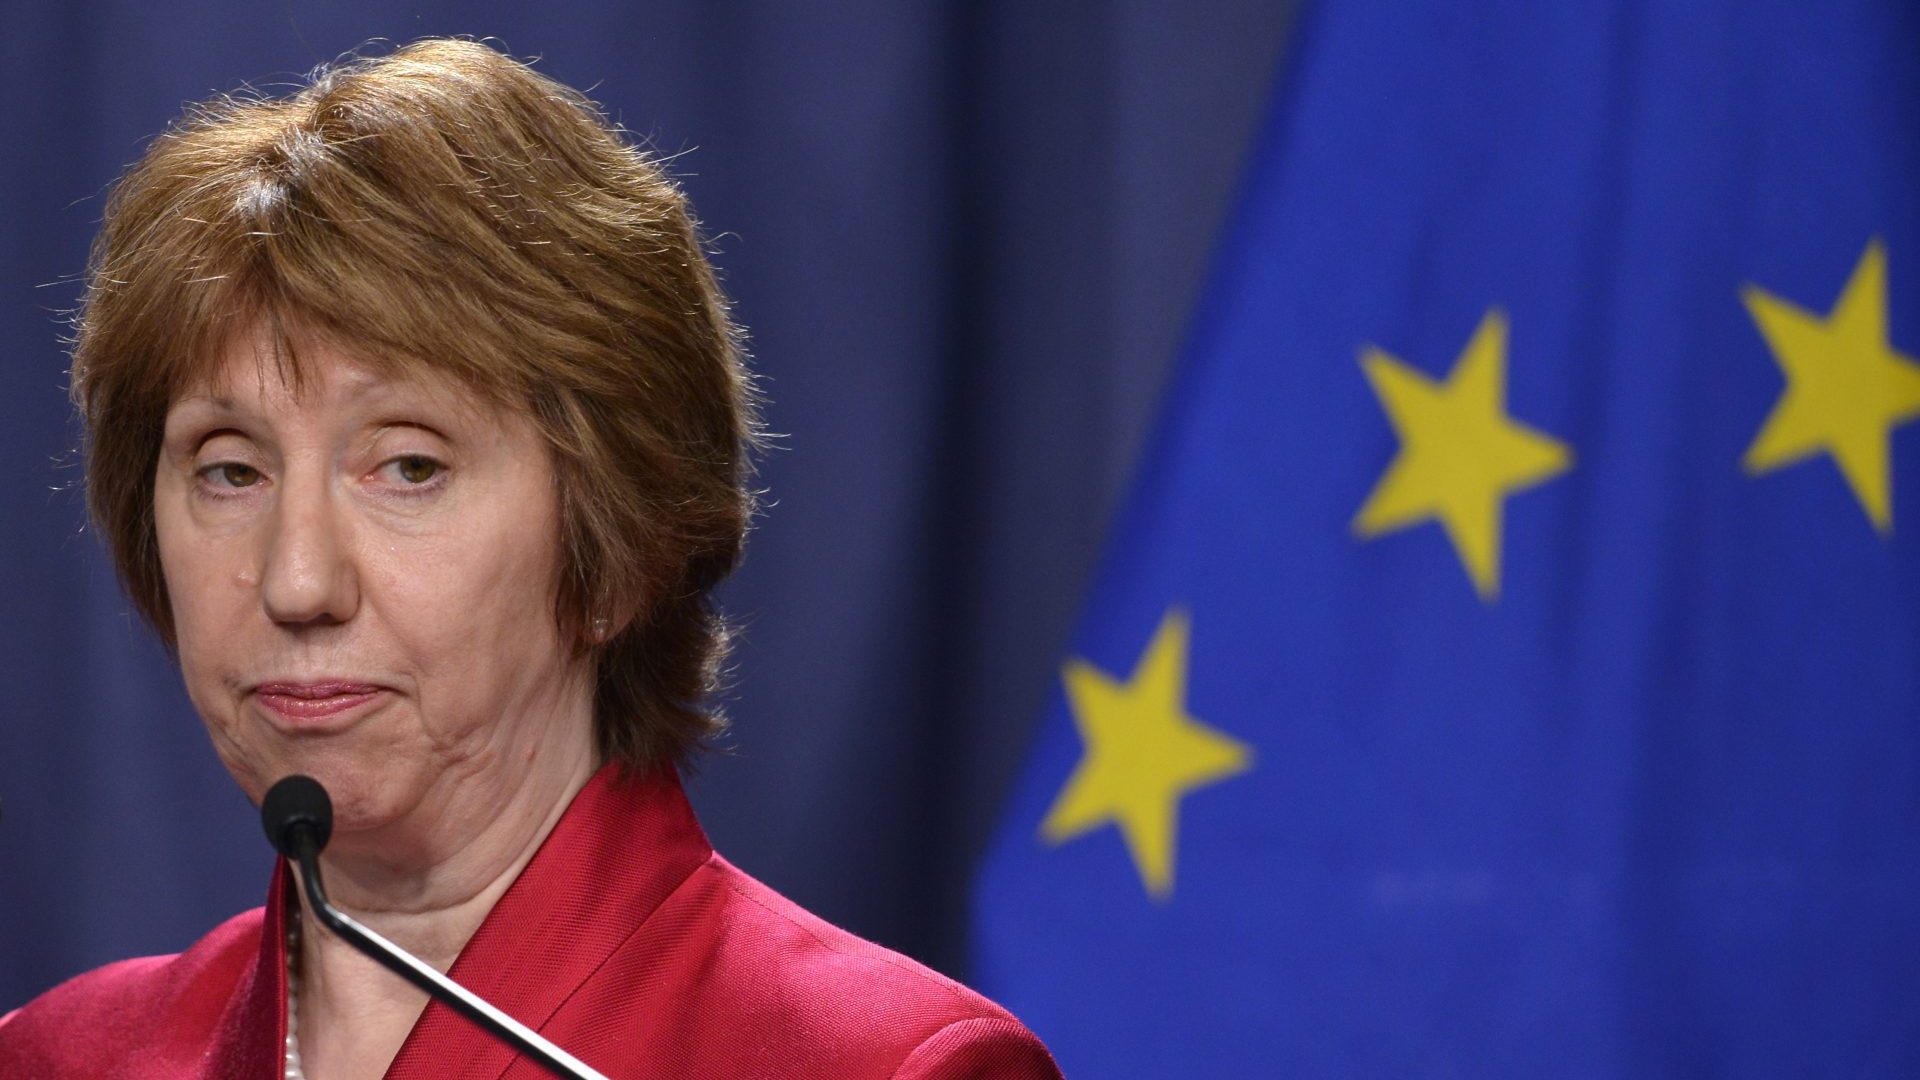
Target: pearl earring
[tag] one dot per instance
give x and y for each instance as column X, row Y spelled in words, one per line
column 600, row 628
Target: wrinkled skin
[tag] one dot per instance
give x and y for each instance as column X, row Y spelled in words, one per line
column 397, row 535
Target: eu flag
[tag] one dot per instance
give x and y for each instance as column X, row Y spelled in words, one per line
column 1508, row 660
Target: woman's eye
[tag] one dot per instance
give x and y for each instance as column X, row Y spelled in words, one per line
column 415, row 469
column 235, row 475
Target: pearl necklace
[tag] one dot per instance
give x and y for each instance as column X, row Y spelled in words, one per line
column 293, row 1069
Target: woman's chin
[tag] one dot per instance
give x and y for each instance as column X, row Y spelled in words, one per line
column 366, row 796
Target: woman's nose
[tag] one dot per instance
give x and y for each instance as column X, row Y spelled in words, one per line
column 309, row 577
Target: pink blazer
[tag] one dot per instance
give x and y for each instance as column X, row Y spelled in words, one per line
column 628, row 941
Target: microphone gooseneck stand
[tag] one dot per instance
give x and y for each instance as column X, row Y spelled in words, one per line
column 298, row 816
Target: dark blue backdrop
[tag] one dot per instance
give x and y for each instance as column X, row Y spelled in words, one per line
column 965, row 236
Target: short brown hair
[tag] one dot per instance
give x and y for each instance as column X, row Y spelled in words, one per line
column 444, row 208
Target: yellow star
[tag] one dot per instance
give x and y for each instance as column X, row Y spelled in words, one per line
column 1460, row 455
column 1847, row 388
column 1143, row 752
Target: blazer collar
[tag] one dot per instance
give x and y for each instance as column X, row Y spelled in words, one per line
column 250, row 1038
column 626, row 842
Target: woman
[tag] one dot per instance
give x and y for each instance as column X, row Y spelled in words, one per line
column 419, row 431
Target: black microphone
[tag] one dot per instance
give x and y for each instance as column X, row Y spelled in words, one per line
column 298, row 817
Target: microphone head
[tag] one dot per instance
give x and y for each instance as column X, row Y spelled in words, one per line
column 296, row 802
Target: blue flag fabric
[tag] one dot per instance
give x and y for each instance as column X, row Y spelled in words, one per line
column 1508, row 661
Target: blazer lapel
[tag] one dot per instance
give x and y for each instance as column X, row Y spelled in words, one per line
column 626, row 842
column 250, row 1038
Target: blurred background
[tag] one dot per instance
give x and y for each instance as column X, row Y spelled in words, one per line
column 1338, row 539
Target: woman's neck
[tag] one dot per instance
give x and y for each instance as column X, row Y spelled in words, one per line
column 465, row 852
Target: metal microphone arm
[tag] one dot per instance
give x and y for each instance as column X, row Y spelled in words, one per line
column 305, row 843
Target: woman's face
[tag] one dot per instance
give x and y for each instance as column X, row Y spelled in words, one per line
column 362, row 576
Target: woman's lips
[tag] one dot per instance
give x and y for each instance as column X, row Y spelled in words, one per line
column 315, row 701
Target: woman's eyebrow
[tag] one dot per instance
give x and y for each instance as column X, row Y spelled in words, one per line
column 408, row 423
column 199, row 411
column 217, row 401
